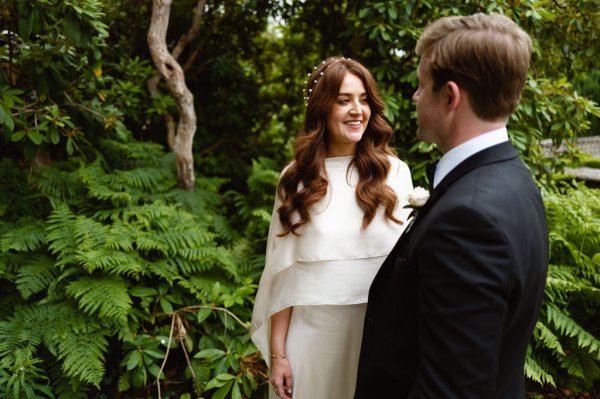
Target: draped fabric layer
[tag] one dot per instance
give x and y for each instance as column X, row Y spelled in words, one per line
column 332, row 261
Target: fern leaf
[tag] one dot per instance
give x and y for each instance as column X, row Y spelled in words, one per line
column 106, row 295
column 83, row 356
column 573, row 366
column 536, row 372
column 123, row 383
column 114, row 262
column 61, row 230
column 567, row 326
column 88, row 233
column 202, row 286
column 143, row 179
column 56, row 183
column 133, row 153
column 36, row 275
column 164, row 268
column 120, row 237
column 27, row 235
column 544, row 335
column 97, row 183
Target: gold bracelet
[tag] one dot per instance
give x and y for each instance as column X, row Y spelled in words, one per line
column 278, row 356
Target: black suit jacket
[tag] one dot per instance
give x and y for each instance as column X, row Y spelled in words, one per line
column 452, row 308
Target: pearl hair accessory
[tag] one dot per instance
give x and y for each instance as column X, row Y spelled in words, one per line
column 312, row 81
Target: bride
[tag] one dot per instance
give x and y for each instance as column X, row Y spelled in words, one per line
column 337, row 214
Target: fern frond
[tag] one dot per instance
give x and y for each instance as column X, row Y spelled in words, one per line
column 147, row 216
column 113, row 262
column 36, row 275
column 56, row 183
column 16, row 335
column 188, row 267
column 202, row 286
column 106, row 295
column 133, row 153
column 98, row 185
column 143, row 179
column 27, row 234
column 123, row 384
column 163, row 268
column 61, row 231
column 65, row 387
column 120, row 237
column 88, row 233
column 537, row 371
column 204, row 199
column 176, row 239
column 83, row 355
column 568, row 327
column 223, row 229
column 573, row 366
column 545, row 336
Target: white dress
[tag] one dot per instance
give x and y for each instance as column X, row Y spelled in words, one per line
column 325, row 274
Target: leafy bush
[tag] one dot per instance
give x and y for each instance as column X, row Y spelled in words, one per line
column 120, row 277
column 565, row 350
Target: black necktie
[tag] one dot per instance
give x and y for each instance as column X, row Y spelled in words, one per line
column 430, row 172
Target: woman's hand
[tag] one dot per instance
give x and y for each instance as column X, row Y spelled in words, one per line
column 281, row 377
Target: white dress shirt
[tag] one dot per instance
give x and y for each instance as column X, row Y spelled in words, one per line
column 461, row 152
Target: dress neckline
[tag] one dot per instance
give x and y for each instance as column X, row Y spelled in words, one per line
column 338, row 162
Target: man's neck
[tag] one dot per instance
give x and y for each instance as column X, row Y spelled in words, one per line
column 469, row 130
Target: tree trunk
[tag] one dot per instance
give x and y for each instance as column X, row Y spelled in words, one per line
column 173, row 75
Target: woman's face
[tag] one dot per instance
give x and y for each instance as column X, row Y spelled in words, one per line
column 348, row 117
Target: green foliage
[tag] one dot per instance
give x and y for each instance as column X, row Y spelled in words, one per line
column 108, row 272
column 118, row 252
column 565, row 348
column 589, row 86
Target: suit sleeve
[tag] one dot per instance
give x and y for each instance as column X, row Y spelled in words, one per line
column 465, row 274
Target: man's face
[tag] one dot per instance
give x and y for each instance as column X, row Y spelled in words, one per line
column 429, row 105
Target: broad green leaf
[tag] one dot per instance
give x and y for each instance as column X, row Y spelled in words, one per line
column 166, row 305
column 222, row 392
column 17, row 136
column 235, row 391
column 203, row 314
column 134, row 360
column 142, row 292
column 211, row 354
column 70, row 146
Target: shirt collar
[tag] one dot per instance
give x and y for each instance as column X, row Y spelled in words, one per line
column 455, row 156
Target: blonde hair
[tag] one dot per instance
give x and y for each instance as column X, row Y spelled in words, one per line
column 486, row 55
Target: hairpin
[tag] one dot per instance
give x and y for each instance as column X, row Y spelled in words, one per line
column 310, row 85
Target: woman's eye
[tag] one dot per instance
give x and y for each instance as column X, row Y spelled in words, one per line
column 343, row 101
column 364, row 100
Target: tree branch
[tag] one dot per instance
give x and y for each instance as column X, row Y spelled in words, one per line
column 173, row 75
column 192, row 32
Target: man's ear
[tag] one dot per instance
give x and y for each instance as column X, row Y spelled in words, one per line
column 454, row 95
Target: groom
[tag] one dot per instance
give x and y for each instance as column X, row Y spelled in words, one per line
column 452, row 309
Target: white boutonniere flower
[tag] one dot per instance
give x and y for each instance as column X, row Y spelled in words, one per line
column 417, row 197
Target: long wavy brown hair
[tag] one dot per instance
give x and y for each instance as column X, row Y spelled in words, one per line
column 304, row 182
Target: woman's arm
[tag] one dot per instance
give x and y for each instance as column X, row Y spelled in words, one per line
column 281, row 372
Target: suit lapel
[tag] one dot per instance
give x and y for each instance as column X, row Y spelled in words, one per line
column 497, row 153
